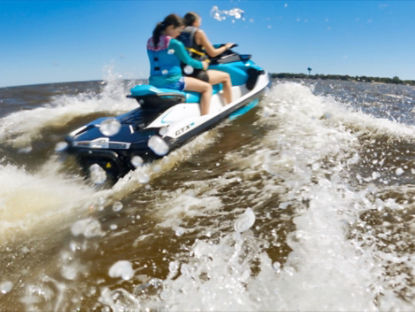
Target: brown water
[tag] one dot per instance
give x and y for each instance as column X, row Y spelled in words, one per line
column 304, row 203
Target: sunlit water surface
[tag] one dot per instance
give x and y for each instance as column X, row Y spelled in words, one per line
column 307, row 202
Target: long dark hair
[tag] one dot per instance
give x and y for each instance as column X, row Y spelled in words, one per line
column 190, row 18
column 171, row 19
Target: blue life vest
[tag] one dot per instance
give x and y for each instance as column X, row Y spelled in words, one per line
column 164, row 65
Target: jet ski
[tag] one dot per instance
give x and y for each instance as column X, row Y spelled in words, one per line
column 164, row 119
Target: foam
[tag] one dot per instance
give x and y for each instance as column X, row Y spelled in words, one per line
column 307, row 153
column 29, row 200
column 63, row 109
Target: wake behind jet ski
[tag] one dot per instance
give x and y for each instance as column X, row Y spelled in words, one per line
column 164, row 120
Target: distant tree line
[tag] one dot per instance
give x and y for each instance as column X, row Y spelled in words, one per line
column 345, row 77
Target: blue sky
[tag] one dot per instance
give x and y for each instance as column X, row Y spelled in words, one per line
column 69, row 40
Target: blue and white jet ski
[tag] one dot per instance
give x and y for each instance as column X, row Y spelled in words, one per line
column 165, row 118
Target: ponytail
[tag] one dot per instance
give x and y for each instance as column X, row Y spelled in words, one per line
column 171, row 19
column 157, row 33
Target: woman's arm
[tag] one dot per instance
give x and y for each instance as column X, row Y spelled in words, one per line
column 181, row 53
column 203, row 40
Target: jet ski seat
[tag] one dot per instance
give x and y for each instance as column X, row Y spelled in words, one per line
column 152, row 97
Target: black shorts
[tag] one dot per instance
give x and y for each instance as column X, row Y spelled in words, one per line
column 199, row 74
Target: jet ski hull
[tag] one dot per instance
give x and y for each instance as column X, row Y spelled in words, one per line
column 169, row 115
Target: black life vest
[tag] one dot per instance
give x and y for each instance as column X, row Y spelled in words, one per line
column 188, row 38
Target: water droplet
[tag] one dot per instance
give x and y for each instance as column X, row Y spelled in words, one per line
column 163, row 131
column 245, row 221
column 69, row 272
column 179, row 231
column 315, row 166
column 216, row 14
column 97, row 174
column 220, row 15
column 113, row 227
column 284, row 205
column 25, row 150
column 88, row 227
column 289, row 270
column 60, row 147
column 143, row 178
column 110, row 127
column 74, row 246
column 156, row 168
column 66, row 256
column 5, row 287
column 276, row 266
column 173, row 268
column 188, row 69
column 326, row 116
column 123, row 269
column 164, row 72
column 117, row 206
column 155, row 282
column 137, row 161
column 101, row 201
column 158, row 145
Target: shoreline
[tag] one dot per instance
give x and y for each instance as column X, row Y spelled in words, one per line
column 394, row 80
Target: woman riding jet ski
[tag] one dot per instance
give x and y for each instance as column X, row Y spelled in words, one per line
column 200, row 48
column 169, row 113
column 165, row 54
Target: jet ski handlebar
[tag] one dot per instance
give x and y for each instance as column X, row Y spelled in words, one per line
column 229, row 56
column 222, row 44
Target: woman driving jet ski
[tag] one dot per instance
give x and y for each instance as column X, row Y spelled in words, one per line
column 199, row 47
column 165, row 54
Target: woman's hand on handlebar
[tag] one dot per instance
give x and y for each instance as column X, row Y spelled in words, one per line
column 229, row 45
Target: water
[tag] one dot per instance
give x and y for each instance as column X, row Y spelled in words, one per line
column 306, row 202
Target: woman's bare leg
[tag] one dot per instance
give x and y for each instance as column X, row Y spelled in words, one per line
column 215, row 77
column 205, row 89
